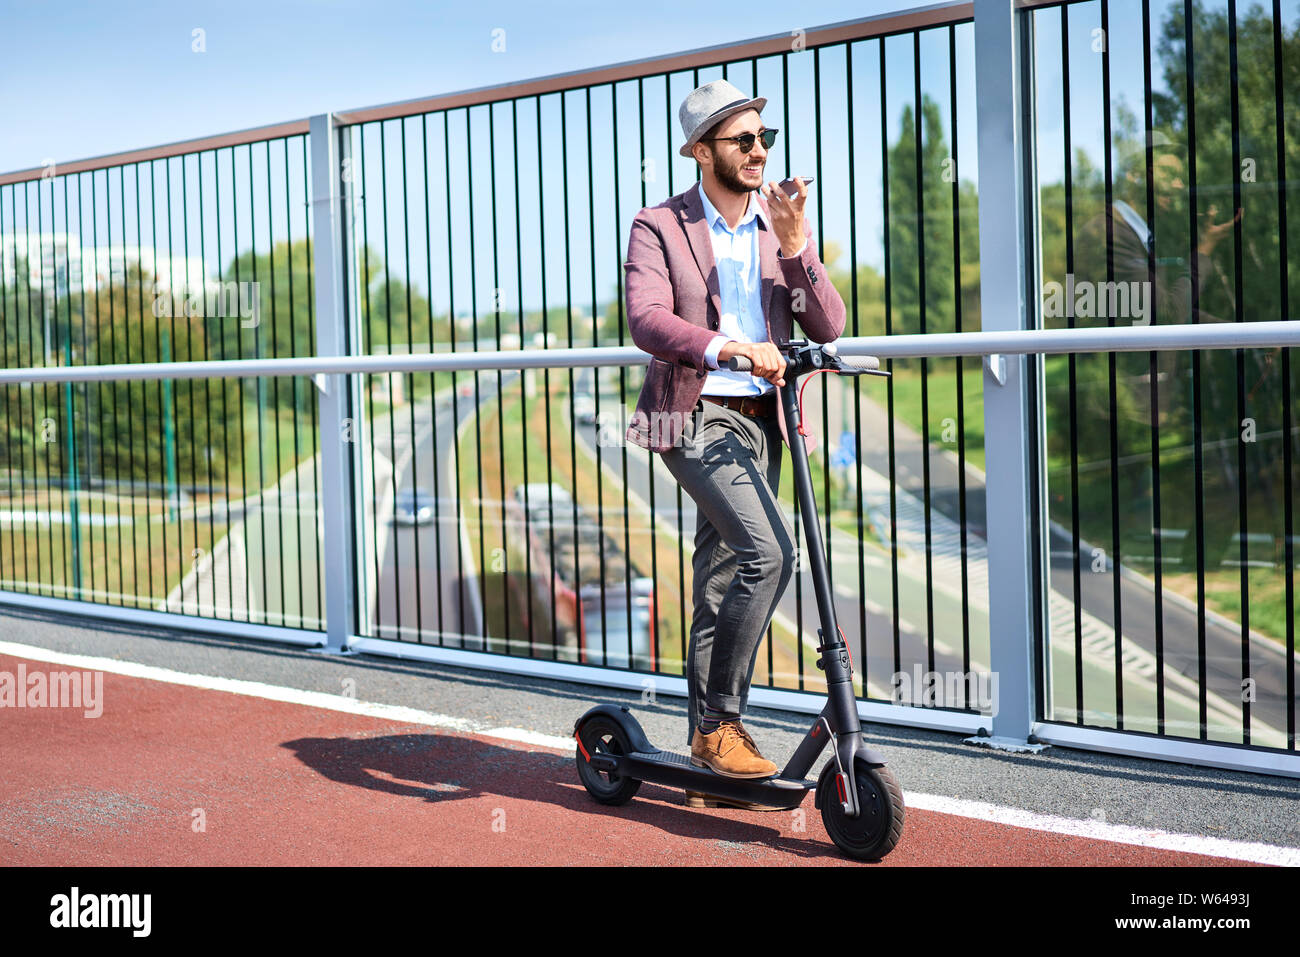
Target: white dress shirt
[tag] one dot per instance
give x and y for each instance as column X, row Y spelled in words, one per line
column 740, row 290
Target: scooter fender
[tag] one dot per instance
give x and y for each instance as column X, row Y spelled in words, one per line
column 636, row 735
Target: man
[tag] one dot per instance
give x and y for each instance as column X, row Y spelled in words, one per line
column 716, row 272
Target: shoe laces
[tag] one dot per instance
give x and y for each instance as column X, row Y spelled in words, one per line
column 738, row 730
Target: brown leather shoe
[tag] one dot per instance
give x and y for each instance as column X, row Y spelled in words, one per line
column 700, row 799
column 727, row 752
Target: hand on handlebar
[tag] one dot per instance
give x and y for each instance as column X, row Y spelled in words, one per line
column 768, row 362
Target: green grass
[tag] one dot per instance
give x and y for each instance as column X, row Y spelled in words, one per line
column 942, row 404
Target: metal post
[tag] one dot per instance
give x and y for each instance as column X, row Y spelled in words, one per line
column 1006, row 268
column 332, row 339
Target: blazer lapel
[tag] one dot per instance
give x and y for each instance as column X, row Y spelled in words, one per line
column 691, row 214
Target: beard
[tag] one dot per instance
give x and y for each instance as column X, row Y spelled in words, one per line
column 729, row 176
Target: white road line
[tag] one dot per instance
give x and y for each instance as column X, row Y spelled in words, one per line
column 976, row 810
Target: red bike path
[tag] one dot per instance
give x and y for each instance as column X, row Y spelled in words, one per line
column 289, row 784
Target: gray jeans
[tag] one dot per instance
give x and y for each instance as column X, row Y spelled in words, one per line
column 730, row 464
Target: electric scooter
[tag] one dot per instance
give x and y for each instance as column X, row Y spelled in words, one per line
column 860, row 801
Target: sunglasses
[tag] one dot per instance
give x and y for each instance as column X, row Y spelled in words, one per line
column 746, row 140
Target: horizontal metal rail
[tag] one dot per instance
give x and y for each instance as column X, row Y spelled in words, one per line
column 1235, row 335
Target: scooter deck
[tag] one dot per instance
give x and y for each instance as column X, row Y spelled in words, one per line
column 676, row 770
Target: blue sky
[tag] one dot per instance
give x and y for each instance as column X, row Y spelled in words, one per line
column 81, row 79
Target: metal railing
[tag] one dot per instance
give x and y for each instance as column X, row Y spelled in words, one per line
column 469, row 505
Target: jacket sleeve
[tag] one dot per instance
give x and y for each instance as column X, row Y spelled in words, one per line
column 815, row 303
column 655, row 328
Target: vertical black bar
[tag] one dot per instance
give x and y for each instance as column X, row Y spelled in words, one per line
column 579, row 619
column 622, row 396
column 38, row 420
column 311, row 347
column 478, row 396
column 31, row 341
column 144, row 402
column 501, row 425
column 408, row 382
column 523, row 391
column 239, row 347
column 189, row 357
column 297, row 407
column 1076, row 569
column 224, row 390
column 857, row 386
column 1242, row 516
column 821, row 244
column 130, row 412
column 960, row 365
column 368, row 347
column 455, row 401
column 388, row 337
column 595, row 394
column 171, row 314
column 1198, row 456
column 1153, row 373
column 919, row 118
column 207, row 384
column 259, row 382
column 45, row 386
column 889, row 363
column 1113, row 387
column 112, row 332
column 275, row 380
column 1284, row 262
column 433, row 391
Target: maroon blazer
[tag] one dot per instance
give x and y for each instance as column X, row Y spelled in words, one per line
column 673, row 308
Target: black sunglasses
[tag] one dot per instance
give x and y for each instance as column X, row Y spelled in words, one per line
column 746, row 140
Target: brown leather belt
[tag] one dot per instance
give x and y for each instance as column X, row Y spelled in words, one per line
column 758, row 407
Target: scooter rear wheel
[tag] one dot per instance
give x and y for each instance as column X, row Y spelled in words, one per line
column 879, row 825
column 600, row 734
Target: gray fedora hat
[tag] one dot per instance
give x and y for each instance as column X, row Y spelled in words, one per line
column 707, row 106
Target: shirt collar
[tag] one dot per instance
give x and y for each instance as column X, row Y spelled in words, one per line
column 711, row 214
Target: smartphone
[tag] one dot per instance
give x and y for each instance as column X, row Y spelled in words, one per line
column 790, row 189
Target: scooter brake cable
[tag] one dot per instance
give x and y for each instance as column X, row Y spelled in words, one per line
column 831, row 734
column 801, row 429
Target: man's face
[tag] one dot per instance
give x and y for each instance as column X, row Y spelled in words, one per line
column 734, row 170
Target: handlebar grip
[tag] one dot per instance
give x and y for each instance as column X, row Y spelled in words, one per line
column 740, row 364
column 871, row 363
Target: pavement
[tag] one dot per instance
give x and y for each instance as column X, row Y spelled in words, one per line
column 215, row 751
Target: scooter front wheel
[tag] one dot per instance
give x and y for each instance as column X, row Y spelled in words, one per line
column 602, row 735
column 879, row 825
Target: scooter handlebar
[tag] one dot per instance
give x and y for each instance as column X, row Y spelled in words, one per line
column 868, row 363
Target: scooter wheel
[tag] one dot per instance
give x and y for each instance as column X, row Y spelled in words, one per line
column 601, row 734
column 878, row 827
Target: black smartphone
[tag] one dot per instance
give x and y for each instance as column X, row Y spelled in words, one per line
column 789, row 187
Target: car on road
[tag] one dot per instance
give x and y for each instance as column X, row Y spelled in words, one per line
column 604, row 638
column 584, row 408
column 413, row 506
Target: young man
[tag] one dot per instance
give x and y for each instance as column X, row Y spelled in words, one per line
column 714, row 272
